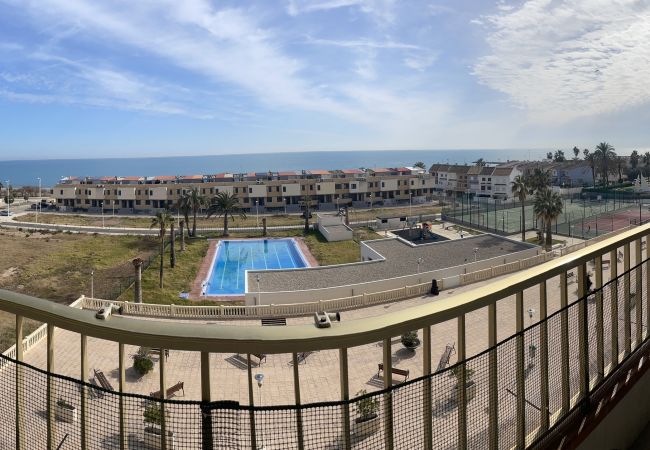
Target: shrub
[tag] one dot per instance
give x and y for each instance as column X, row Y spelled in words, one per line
column 410, row 339
column 153, row 414
column 368, row 406
column 142, row 362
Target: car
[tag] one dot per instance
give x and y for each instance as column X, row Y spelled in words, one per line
column 34, row 205
column 4, row 212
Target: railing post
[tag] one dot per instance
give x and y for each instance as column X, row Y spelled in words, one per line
column 206, row 397
column 296, row 390
column 520, row 370
column 564, row 343
column 122, row 406
column 613, row 275
column 251, row 402
column 427, row 400
column 84, row 392
column 388, row 396
column 20, row 385
column 493, row 401
column 627, row 325
column 600, row 334
column 345, row 397
column 51, row 397
column 543, row 358
column 462, row 383
column 638, row 297
column 583, row 330
column 163, row 396
column 647, row 284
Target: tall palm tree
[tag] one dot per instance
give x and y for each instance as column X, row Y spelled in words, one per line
column 226, row 204
column 539, row 180
column 420, row 164
column 605, row 156
column 620, row 164
column 521, row 189
column 306, row 201
column 548, row 207
column 480, row 162
column 591, row 159
column 195, row 202
column 183, row 206
column 162, row 220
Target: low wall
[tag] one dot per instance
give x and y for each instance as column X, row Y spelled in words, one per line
column 451, row 274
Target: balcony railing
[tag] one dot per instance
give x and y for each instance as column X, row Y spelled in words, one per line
column 515, row 394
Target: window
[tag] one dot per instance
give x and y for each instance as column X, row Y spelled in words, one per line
column 147, row 202
column 87, row 202
column 277, row 189
column 354, row 185
column 302, row 186
column 250, row 190
column 236, row 191
column 279, row 199
column 61, row 191
column 269, row 199
column 138, row 192
column 284, row 189
column 383, row 184
column 150, row 192
column 178, row 192
column 137, row 202
column 246, row 200
column 412, row 183
column 311, row 187
column 318, row 187
column 270, row 189
column 119, row 192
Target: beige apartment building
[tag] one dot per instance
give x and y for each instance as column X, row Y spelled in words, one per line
column 262, row 191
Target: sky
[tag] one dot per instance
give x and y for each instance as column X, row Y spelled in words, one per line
column 99, row 78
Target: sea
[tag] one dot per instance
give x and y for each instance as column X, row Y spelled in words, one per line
column 27, row 172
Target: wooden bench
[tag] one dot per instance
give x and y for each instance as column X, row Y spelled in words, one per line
column 450, row 349
column 402, row 372
column 171, row 392
column 302, row 357
column 261, row 357
column 157, row 352
column 103, row 381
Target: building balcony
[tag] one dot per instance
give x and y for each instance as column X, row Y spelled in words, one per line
column 527, row 360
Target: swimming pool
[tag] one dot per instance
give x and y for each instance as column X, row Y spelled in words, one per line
column 228, row 273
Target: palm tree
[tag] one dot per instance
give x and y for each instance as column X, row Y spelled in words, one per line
column 646, row 159
column 183, row 206
column 195, row 201
column 521, row 189
column 620, row 164
column 172, row 246
column 591, row 159
column 539, row 180
column 548, row 206
column 420, row 164
column 162, row 220
column 605, row 155
column 226, row 204
column 480, row 162
column 306, row 201
column 576, row 153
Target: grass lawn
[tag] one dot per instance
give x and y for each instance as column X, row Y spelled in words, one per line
column 57, row 266
column 341, row 252
column 202, row 222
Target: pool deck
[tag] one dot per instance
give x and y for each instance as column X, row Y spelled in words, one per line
column 206, row 266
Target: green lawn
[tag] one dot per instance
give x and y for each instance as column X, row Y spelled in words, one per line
column 341, row 252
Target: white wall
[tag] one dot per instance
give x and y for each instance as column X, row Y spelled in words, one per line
column 450, row 275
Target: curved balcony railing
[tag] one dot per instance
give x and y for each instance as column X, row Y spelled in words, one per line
column 513, row 394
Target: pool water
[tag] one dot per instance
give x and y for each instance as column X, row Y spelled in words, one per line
column 234, row 257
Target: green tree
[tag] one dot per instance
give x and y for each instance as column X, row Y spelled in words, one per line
column 634, row 159
column 559, row 156
column 195, row 201
column 480, row 162
column 549, row 155
column 576, row 153
column 420, row 164
column 183, row 206
column 539, row 179
column 547, row 208
column 226, row 204
column 646, row 160
column 620, row 165
column 162, row 220
column 605, row 157
column 521, row 189
column 306, row 202
column 591, row 160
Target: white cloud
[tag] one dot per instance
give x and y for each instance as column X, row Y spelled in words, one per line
column 564, row 60
column 420, row 62
column 382, row 10
column 364, row 43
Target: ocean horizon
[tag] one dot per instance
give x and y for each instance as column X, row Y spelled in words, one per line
column 27, row 172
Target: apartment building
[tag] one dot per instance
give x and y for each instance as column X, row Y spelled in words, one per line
column 257, row 191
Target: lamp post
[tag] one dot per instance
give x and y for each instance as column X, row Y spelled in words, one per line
column 101, row 205
column 410, row 204
column 259, row 377
column 475, row 253
column 420, row 261
column 38, row 206
column 285, row 206
column 257, row 214
column 257, row 278
column 92, row 284
column 531, row 347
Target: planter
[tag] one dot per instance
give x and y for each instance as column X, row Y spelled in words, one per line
column 65, row 413
column 412, row 347
column 470, row 392
column 364, row 427
column 152, row 438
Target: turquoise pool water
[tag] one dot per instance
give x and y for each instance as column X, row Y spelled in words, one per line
column 235, row 257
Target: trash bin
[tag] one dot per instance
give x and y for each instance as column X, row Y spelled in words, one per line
column 434, row 288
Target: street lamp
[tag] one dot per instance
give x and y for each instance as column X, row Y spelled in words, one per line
column 285, row 206
column 257, row 278
column 420, row 261
column 531, row 346
column 257, row 214
column 410, row 204
column 101, row 205
column 475, row 253
column 39, row 198
column 259, row 377
column 92, row 284
column 8, row 191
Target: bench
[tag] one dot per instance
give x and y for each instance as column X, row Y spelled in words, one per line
column 180, row 386
column 302, row 357
column 157, row 352
column 450, row 349
column 274, row 322
column 103, row 381
column 401, row 372
column 261, row 357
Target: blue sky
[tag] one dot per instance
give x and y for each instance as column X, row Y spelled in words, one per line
column 84, row 78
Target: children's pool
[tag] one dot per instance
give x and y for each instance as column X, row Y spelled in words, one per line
column 235, row 257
